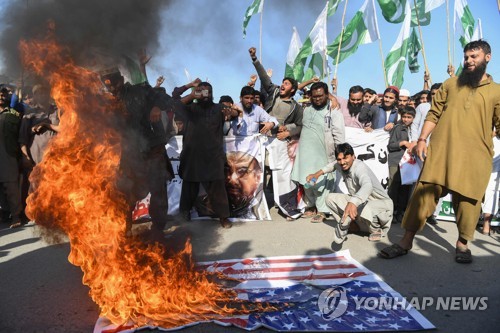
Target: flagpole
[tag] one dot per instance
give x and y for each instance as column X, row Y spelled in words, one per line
column 422, row 40
column 340, row 41
column 260, row 33
column 383, row 61
column 448, row 32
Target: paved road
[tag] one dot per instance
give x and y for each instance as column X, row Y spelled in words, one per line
column 40, row 291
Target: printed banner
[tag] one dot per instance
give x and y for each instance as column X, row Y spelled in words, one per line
column 244, row 180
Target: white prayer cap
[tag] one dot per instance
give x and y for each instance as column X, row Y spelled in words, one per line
column 404, row 92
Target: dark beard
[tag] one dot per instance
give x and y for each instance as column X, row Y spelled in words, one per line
column 472, row 79
column 354, row 109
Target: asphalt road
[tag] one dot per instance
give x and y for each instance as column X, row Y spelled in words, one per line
column 40, row 291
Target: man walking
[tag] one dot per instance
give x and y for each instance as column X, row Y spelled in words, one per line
column 459, row 157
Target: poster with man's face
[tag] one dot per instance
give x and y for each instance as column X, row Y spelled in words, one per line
column 244, row 178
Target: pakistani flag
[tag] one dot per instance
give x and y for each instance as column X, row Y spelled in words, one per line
column 393, row 10
column 463, row 22
column 315, row 67
column 315, row 43
column 419, row 16
column 414, row 48
column 293, row 51
column 433, row 4
column 395, row 61
column 332, row 6
column 362, row 29
column 255, row 8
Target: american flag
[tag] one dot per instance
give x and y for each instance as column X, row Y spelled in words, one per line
column 298, row 283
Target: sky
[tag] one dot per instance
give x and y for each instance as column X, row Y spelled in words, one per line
column 204, row 39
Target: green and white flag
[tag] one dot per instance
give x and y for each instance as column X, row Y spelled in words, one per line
column 395, row 61
column 463, row 22
column 393, row 10
column 293, row 51
column 315, row 67
column 362, row 29
column 315, row 43
column 332, row 6
column 432, row 4
column 414, row 47
column 255, row 8
column 424, row 18
column 478, row 31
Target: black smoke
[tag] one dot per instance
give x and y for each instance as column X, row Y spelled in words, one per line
column 92, row 29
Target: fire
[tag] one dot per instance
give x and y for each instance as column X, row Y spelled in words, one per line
column 75, row 192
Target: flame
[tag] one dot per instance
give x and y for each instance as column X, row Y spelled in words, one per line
column 75, row 192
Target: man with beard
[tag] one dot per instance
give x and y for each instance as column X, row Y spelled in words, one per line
column 384, row 115
column 279, row 101
column 322, row 130
column 243, row 174
column 252, row 119
column 459, row 157
column 144, row 164
column 351, row 108
column 202, row 158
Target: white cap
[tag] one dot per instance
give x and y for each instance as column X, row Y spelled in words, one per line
column 404, row 92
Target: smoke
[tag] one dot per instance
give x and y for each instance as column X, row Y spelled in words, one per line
column 93, row 30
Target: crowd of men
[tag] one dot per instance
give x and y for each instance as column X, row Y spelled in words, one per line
column 461, row 114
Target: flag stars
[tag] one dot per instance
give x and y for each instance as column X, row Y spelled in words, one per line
column 351, row 313
column 406, row 319
column 287, row 313
column 372, row 320
column 299, row 293
column 271, row 318
column 383, row 313
column 287, row 297
column 395, row 326
column 324, row 326
column 271, row 293
column 358, row 283
column 339, row 320
column 305, row 320
column 360, row 327
column 318, row 313
column 288, row 326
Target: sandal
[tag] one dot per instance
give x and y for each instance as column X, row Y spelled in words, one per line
column 308, row 213
column 393, row 251
column 463, row 257
column 290, row 219
column 375, row 237
column 15, row 225
column 318, row 218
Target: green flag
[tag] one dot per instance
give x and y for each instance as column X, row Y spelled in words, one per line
column 332, row 6
column 315, row 67
column 315, row 43
column 136, row 75
column 464, row 22
column 414, row 47
column 395, row 61
column 255, row 8
column 393, row 10
column 424, row 18
column 293, row 51
column 362, row 29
